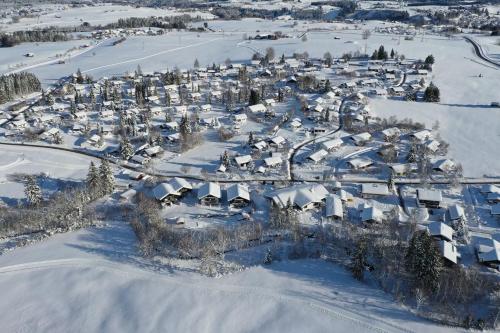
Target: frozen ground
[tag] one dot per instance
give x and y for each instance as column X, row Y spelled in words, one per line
column 91, row 281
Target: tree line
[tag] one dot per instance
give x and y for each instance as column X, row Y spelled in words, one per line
column 32, row 36
column 17, row 84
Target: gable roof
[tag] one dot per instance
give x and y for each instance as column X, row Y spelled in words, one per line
column 237, row 191
column 209, row 189
column 440, row 229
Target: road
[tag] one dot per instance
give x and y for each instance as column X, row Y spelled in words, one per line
column 480, row 52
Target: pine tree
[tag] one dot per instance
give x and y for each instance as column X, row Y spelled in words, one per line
column 268, row 259
column 106, row 178
column 196, row 63
column 392, row 53
column 126, row 149
column 429, row 60
column 250, row 139
column 432, row 94
column 225, row 159
column 254, row 97
column 32, row 191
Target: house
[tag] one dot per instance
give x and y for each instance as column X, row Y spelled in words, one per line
column 243, row 161
column 429, row 198
column 180, row 185
column 444, row 165
column 390, row 133
column 441, row 231
column 303, row 197
column 272, row 161
column 401, row 169
column 205, row 108
column 153, row 151
column 142, row 160
column 448, row 251
column 318, row 155
column 369, row 190
column 361, row 138
column 488, row 253
column 240, row 118
column 269, row 102
column 333, row 207
column 257, row 108
column 493, row 197
column 489, row 188
column 332, row 144
column 456, row 212
column 209, row 194
column 260, row 145
column 166, row 193
column 421, row 135
column 128, row 195
column 277, row 141
column 359, row 163
column 238, row 195
column 495, row 210
column 295, row 124
column 171, row 126
column 371, row 215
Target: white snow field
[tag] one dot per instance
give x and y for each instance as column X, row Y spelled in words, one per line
column 61, row 15
column 90, row 281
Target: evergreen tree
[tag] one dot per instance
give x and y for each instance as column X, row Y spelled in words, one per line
column 254, row 97
column 32, row 191
column 392, row 53
column 423, row 262
column 196, row 63
column 126, row 149
column 225, row 159
column 106, row 178
column 432, row 94
column 328, row 85
column 374, row 55
column 429, row 60
column 93, row 179
column 250, row 139
column 358, row 260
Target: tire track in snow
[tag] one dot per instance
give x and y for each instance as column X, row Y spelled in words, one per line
column 152, row 55
column 264, row 293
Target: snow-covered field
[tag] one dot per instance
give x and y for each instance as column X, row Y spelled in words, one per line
column 58, row 15
column 91, row 281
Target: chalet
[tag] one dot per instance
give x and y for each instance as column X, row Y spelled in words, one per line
column 243, row 161
column 238, row 195
column 269, row 102
column 209, row 194
column 432, row 145
column 165, row 193
column 440, row 231
column 180, row 185
column 361, row 138
column 488, row 252
column 50, row 133
column 422, row 135
column 369, row 190
column 333, row 207
column 257, row 108
column 371, row 215
column 359, row 163
column 295, row 124
column 318, row 155
column 429, row 198
column 401, row 169
column 94, row 140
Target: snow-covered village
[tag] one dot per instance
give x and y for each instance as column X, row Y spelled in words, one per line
column 249, row 166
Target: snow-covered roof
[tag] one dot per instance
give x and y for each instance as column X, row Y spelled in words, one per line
column 449, row 251
column 429, row 195
column 318, row 155
column 439, row 229
column 209, row 189
column 161, row 191
column 272, row 161
column 490, row 256
column 257, row 108
column 300, row 195
column 456, row 212
column 361, row 137
column 330, row 144
column 359, row 162
column 180, row 184
column 240, row 160
column 371, row 214
column 374, row 189
column 237, row 191
column 495, row 209
column 334, row 207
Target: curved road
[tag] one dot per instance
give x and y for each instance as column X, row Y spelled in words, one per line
column 480, row 52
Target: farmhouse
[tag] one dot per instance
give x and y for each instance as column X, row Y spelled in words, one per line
column 304, row 197
column 359, row 163
column 243, row 161
column 318, row 155
column 257, row 108
column 272, row 161
column 361, row 139
column 165, row 193
column 332, row 144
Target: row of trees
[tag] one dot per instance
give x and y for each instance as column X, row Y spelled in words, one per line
column 17, row 84
column 32, row 36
